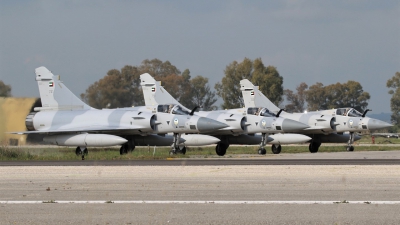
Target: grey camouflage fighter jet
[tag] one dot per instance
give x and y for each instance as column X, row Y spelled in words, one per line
column 243, row 123
column 325, row 125
column 67, row 121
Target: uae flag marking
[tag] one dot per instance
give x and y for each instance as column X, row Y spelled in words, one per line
column 51, row 84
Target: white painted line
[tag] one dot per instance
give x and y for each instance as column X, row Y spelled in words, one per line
column 207, row 202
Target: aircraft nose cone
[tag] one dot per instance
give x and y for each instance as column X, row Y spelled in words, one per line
column 374, row 124
column 207, row 125
column 289, row 125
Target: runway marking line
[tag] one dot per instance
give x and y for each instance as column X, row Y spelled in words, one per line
column 208, row 202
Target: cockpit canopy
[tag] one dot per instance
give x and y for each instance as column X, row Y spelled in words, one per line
column 351, row 112
column 173, row 109
column 260, row 111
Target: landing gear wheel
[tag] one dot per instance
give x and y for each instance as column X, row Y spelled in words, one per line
column 276, row 149
column 183, row 150
column 350, row 148
column 129, row 146
column 220, row 149
column 78, row 151
column 314, row 146
column 123, row 150
column 262, row 151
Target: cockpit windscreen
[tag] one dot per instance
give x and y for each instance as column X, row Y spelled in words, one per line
column 259, row 111
column 172, row 108
column 351, row 112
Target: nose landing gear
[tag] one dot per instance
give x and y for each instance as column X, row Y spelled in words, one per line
column 261, row 149
column 175, row 148
column 350, row 146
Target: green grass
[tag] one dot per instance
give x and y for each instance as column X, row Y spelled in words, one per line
column 66, row 153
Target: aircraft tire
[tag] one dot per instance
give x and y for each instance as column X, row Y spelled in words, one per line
column 314, row 146
column 262, row 151
column 350, row 148
column 220, row 149
column 183, row 150
column 276, row 150
column 130, row 146
column 78, row 151
column 122, row 150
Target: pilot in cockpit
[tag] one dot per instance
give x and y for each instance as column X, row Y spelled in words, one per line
column 258, row 111
column 170, row 108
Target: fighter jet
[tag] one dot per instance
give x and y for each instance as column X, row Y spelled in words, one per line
column 68, row 121
column 325, row 125
column 243, row 123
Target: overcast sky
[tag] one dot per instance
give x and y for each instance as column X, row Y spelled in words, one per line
column 308, row 41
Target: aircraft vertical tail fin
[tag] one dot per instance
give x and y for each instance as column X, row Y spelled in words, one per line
column 253, row 97
column 154, row 93
column 54, row 94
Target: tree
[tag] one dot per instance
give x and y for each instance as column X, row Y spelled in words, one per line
column 121, row 88
column 5, row 90
column 229, row 88
column 267, row 78
column 185, row 89
column 354, row 96
column 269, row 81
column 297, row 100
column 394, row 85
column 158, row 68
column 116, row 89
column 202, row 95
column 350, row 94
column 316, row 97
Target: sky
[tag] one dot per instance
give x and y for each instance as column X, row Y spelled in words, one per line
column 307, row 40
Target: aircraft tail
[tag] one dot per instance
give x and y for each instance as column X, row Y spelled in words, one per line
column 54, row 94
column 253, row 97
column 154, row 93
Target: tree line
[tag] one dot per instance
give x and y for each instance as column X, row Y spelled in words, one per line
column 270, row 82
column 121, row 88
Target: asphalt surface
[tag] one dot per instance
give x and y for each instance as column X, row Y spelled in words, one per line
column 206, row 162
column 360, row 188
column 336, row 158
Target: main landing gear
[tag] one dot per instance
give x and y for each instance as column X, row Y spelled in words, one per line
column 221, row 147
column 175, row 148
column 127, row 147
column 350, row 146
column 276, row 149
column 314, row 146
column 81, row 151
